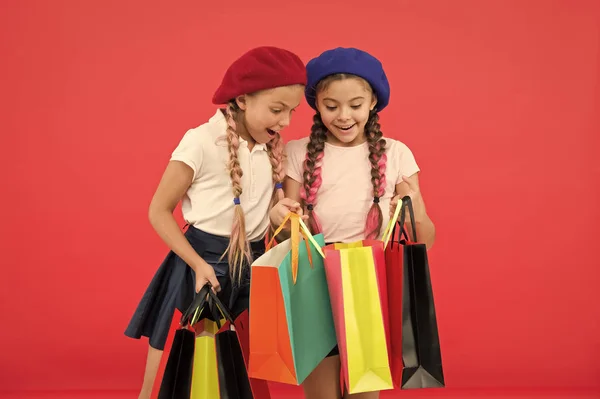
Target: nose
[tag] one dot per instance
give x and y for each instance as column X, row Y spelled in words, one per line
column 285, row 120
column 344, row 114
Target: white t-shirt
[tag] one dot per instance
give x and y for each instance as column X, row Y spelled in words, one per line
column 346, row 194
column 208, row 204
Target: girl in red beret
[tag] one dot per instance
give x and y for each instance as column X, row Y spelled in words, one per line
column 228, row 173
column 347, row 173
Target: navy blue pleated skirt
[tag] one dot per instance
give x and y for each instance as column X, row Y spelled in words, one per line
column 173, row 287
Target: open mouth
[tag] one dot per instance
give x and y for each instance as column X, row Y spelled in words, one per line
column 271, row 132
column 346, row 128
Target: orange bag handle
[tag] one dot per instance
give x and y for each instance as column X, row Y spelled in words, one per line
column 298, row 229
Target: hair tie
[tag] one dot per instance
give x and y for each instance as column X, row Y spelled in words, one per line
column 278, row 186
column 376, row 200
column 309, row 207
column 236, row 200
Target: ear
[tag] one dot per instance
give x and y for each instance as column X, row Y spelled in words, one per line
column 373, row 103
column 241, row 102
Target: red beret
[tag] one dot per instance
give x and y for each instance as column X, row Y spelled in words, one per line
column 259, row 69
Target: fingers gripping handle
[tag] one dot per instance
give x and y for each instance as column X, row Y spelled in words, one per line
column 205, row 297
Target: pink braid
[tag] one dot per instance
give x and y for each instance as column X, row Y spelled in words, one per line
column 378, row 160
column 312, row 172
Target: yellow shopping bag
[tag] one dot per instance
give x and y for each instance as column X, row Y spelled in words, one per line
column 205, row 378
column 356, row 278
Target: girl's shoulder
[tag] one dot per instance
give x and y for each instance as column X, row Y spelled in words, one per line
column 400, row 159
column 395, row 147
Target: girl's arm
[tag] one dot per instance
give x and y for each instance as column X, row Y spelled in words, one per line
column 175, row 181
column 424, row 226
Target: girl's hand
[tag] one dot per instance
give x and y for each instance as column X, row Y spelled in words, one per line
column 282, row 208
column 206, row 274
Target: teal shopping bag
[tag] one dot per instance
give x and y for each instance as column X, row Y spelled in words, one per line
column 291, row 323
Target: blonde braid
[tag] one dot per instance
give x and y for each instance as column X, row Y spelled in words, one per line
column 276, row 156
column 238, row 251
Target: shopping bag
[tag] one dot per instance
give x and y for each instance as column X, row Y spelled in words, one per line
column 205, row 376
column 259, row 388
column 191, row 370
column 177, row 379
column 200, row 328
column 233, row 376
column 356, row 278
column 176, row 382
column 219, row 367
column 229, row 379
column 291, row 325
column 414, row 341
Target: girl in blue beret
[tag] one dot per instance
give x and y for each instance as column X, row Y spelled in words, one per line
column 346, row 175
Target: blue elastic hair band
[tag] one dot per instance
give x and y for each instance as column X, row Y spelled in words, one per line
column 278, row 185
column 236, row 200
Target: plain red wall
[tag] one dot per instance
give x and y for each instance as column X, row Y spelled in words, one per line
column 497, row 99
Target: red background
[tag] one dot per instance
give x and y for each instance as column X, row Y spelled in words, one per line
column 499, row 101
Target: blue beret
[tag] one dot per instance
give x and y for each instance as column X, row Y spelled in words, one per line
column 351, row 61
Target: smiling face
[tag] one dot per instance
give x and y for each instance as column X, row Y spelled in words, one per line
column 268, row 112
column 344, row 102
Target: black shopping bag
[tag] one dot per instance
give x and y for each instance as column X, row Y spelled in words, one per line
column 233, row 375
column 419, row 353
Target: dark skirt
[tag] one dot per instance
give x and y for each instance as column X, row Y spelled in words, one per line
column 173, row 287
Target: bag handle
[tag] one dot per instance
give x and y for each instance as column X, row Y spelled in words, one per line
column 390, row 229
column 206, row 296
column 408, row 201
column 197, row 303
column 400, row 213
column 217, row 309
column 298, row 228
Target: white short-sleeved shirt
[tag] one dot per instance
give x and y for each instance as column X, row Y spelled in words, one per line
column 208, row 204
column 346, row 194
